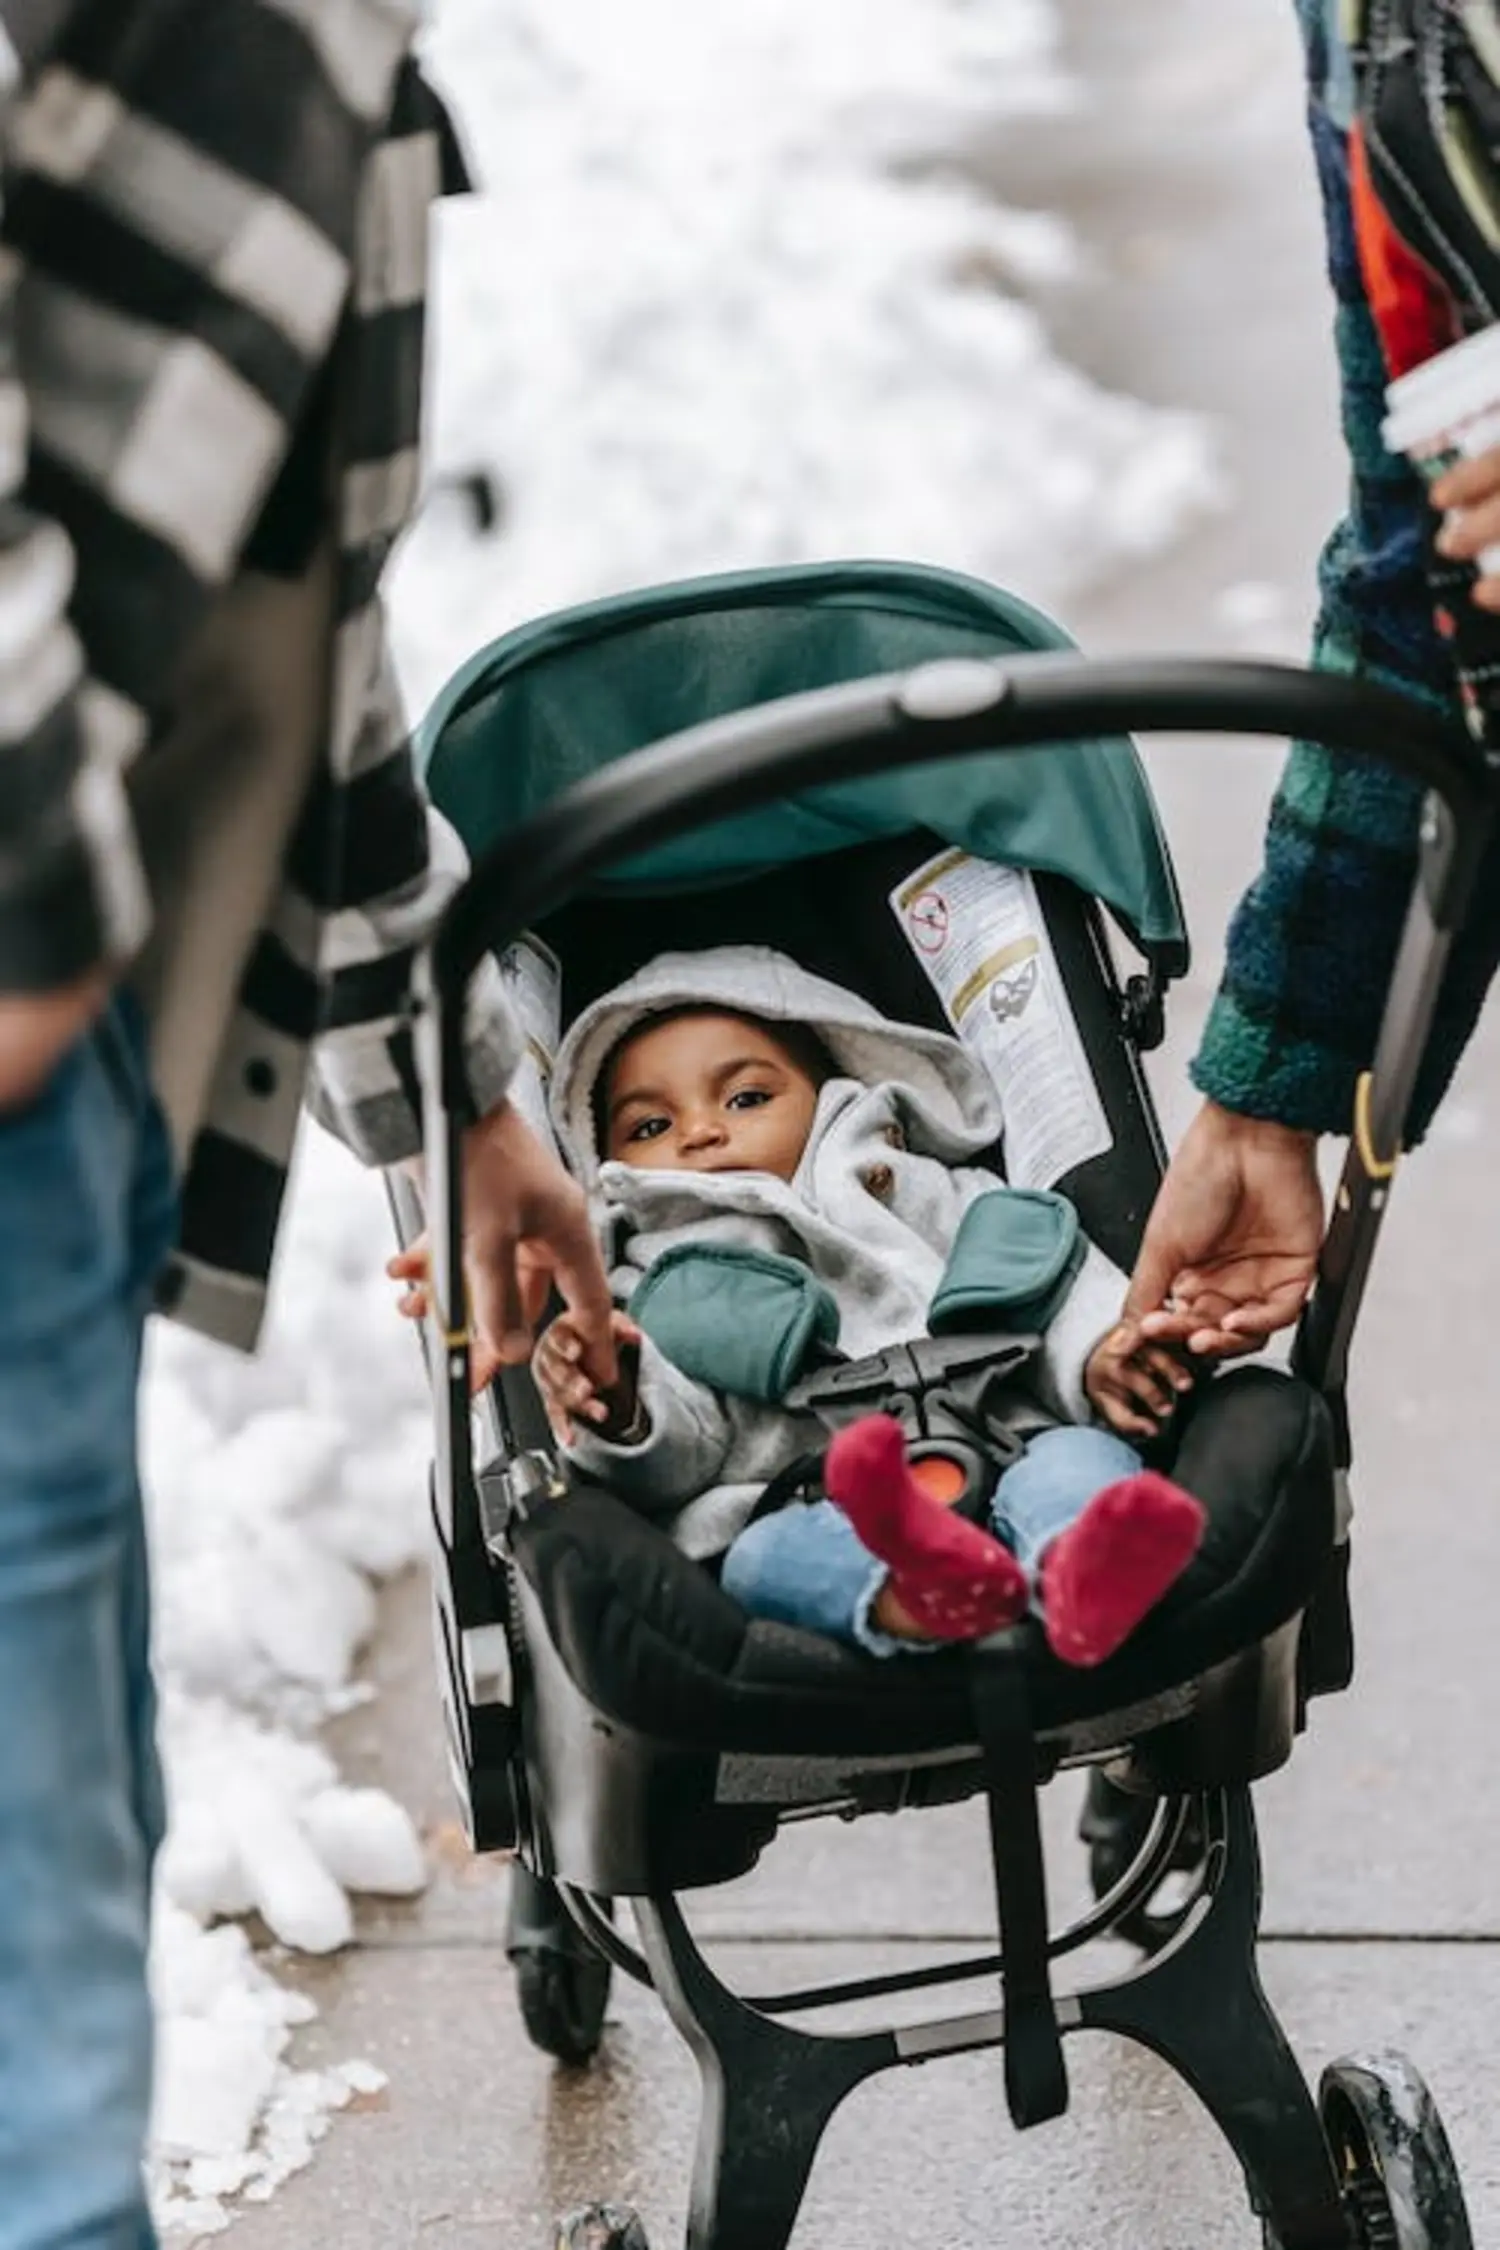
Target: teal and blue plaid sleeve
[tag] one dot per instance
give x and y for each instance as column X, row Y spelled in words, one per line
column 1313, row 941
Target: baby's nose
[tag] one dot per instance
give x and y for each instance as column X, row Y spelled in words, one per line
column 702, row 1132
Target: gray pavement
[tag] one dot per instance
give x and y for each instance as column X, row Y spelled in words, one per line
column 1195, row 195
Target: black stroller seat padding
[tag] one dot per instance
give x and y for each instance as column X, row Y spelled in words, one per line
column 655, row 1645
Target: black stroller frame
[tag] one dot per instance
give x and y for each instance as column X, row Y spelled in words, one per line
column 1366, row 2162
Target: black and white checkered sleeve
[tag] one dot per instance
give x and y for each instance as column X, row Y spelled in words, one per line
column 364, row 1086
column 72, row 889
column 400, row 864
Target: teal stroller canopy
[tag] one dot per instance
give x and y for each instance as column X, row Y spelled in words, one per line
column 546, row 706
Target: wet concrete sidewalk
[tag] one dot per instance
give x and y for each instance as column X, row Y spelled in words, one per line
column 1195, row 193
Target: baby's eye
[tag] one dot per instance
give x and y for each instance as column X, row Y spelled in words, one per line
column 647, row 1129
column 750, row 1097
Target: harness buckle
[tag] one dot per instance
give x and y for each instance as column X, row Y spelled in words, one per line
column 956, row 1475
column 939, row 1387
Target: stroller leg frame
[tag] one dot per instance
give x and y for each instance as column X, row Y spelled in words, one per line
column 768, row 2093
column 1234, row 2054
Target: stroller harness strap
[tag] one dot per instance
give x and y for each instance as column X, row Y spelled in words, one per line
column 748, row 1322
column 938, row 1387
column 1036, row 2076
column 1017, row 1253
column 759, row 1325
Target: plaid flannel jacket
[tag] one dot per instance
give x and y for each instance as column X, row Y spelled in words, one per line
column 1313, row 942
column 213, row 216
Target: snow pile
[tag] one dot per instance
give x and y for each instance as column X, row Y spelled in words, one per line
column 263, row 1825
column 230, row 2118
column 721, row 304
column 278, row 1490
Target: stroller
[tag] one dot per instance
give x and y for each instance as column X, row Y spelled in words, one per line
column 865, row 761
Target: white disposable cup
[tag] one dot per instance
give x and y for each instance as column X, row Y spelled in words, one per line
column 1448, row 410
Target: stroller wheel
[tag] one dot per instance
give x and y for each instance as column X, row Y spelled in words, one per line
column 1399, row 2180
column 562, row 1984
column 603, row 2226
column 562, row 2003
column 1114, row 1825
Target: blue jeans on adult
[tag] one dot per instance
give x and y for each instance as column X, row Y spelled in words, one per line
column 87, row 1211
column 805, row 1565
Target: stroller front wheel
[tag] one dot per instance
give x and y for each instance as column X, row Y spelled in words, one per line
column 603, row 2226
column 1400, row 2183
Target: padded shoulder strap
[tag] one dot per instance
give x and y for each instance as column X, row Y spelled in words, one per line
column 1013, row 1260
column 743, row 1321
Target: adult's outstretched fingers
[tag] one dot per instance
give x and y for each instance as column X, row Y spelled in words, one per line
column 497, row 1299
column 1174, row 1325
column 1225, row 1343
column 578, row 1272
column 1155, row 1276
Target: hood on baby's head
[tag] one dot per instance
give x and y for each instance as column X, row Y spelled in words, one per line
column 953, row 1111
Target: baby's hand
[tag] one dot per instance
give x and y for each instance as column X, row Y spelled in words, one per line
column 1469, row 496
column 1134, row 1383
column 568, row 1389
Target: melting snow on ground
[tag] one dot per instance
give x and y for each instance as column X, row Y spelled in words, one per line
column 723, row 303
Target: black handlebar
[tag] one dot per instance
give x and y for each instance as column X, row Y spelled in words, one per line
column 939, row 710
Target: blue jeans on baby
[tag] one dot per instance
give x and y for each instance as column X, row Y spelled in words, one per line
column 87, row 1211
column 806, row 1566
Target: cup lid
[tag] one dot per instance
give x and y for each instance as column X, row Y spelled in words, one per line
column 1462, row 380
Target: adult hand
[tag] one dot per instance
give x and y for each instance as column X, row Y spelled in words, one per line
column 1469, row 496
column 526, row 1230
column 36, row 1031
column 1231, row 1247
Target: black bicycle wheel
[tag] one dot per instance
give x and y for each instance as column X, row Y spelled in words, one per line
column 1396, row 2170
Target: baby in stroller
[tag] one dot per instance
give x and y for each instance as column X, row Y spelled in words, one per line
column 789, row 1180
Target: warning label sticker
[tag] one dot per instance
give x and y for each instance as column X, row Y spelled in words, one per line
column 980, row 935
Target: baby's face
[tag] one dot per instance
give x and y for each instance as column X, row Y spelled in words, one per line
column 708, row 1093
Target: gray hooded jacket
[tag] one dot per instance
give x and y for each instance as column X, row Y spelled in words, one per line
column 887, row 1174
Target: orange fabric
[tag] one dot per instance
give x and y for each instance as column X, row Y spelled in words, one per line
column 1412, row 310
column 941, row 1479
